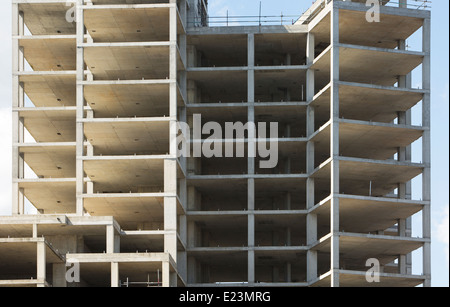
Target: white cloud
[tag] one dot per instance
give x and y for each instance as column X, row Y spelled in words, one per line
column 442, row 231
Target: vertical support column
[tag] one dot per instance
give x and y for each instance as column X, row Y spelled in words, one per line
column 334, row 147
column 17, row 102
column 110, row 239
column 311, row 218
column 115, row 275
column 170, row 208
column 251, row 153
column 80, row 152
column 170, row 165
column 426, row 151
column 182, row 45
column 404, row 154
column 166, row 274
column 41, row 265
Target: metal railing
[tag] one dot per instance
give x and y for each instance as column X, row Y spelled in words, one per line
column 260, row 20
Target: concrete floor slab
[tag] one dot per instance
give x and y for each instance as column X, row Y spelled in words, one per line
column 381, row 103
column 367, row 214
column 47, row 53
column 129, row 136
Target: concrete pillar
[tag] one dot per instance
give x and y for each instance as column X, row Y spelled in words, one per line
column 41, row 261
column 166, row 274
column 80, row 151
column 426, row 151
column 115, row 283
column 170, row 208
column 35, row 231
column 110, row 239
column 17, row 101
column 59, row 275
column 334, row 148
column 251, row 159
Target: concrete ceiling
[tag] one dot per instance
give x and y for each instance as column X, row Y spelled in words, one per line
column 50, row 124
column 367, row 140
column 367, row 102
column 50, row 52
column 18, row 257
column 129, row 63
column 358, row 246
column 51, row 160
column 358, row 279
column 127, row 211
column 125, row 175
column 128, row 137
column 142, row 100
column 356, row 174
column 364, row 215
column 50, row 89
column 354, row 29
column 47, row 18
column 128, row 24
column 51, row 195
column 368, row 65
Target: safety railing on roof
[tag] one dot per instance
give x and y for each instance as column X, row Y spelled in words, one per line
column 282, row 19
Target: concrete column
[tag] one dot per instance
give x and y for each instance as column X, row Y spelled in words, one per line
column 41, row 261
column 59, row 275
column 170, row 209
column 251, row 230
column 334, row 148
column 110, row 239
column 80, row 152
column 251, row 159
column 426, row 151
column 35, row 231
column 17, row 101
column 115, row 283
column 166, row 274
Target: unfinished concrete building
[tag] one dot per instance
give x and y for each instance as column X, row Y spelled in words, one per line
column 101, row 96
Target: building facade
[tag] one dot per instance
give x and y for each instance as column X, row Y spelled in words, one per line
column 101, row 86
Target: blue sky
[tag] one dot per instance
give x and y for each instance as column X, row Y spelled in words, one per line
column 440, row 111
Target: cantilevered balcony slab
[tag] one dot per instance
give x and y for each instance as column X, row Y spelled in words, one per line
column 367, row 64
column 364, row 214
column 355, row 248
column 129, row 23
column 51, row 124
column 50, row 52
column 50, row 160
column 128, row 136
column 50, row 88
column 365, row 176
column 395, row 25
column 47, row 17
column 366, row 102
column 358, row 279
column 368, row 140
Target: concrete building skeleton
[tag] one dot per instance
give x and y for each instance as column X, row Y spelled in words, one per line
column 102, row 101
